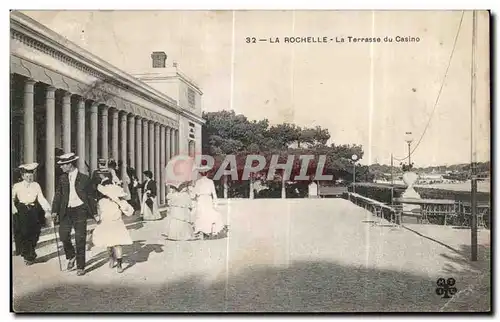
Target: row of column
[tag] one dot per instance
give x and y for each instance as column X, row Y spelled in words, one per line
column 145, row 144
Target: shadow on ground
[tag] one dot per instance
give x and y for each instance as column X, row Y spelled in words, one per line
column 301, row 287
column 138, row 252
column 475, row 287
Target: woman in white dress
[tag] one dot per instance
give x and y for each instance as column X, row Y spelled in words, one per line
column 179, row 225
column 112, row 232
column 208, row 223
column 149, row 205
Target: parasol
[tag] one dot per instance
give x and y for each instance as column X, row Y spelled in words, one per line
column 179, row 170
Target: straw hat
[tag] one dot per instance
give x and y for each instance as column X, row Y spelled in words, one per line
column 28, row 167
column 67, row 158
column 203, row 168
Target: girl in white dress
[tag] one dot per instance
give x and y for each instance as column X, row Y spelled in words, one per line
column 112, row 232
column 208, row 223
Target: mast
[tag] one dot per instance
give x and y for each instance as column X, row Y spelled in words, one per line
column 392, row 179
column 473, row 142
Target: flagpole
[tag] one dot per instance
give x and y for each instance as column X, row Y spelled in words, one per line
column 473, row 145
column 392, row 179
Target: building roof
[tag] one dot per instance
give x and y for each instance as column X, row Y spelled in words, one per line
column 72, row 52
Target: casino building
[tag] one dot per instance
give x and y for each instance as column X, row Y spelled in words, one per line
column 64, row 98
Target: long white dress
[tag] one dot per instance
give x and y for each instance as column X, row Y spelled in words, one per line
column 179, row 216
column 208, row 219
column 112, row 231
column 146, row 212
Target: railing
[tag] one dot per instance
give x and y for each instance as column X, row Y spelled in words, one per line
column 383, row 211
column 433, row 211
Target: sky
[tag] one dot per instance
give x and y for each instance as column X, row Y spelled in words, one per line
column 363, row 93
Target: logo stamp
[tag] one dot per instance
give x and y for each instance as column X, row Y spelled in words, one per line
column 446, row 288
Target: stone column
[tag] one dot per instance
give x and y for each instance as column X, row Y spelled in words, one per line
column 162, row 165
column 114, row 136
column 131, row 140
column 123, row 132
column 145, row 143
column 50, row 144
column 66, row 119
column 152, row 147
column 105, row 131
column 176, row 140
column 172, row 143
column 29, row 121
column 93, row 136
column 157, row 176
column 80, row 140
column 138, row 148
column 167, row 144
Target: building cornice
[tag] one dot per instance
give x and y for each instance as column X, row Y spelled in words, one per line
column 39, row 37
column 168, row 75
column 193, row 117
column 40, row 72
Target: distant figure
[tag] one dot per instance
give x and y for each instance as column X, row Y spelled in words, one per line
column 313, row 190
column 133, row 188
column 149, row 205
column 208, row 223
column 115, row 173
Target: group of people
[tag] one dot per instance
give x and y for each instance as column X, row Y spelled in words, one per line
column 192, row 210
column 105, row 198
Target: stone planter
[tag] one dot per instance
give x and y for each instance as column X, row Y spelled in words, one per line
column 409, row 178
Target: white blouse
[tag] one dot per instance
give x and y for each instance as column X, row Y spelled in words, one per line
column 205, row 187
column 112, row 211
column 28, row 193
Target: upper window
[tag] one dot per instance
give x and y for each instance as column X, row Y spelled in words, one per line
column 191, row 98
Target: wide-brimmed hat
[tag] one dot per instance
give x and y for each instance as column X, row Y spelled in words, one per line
column 28, row 167
column 179, row 171
column 67, row 158
column 203, row 168
column 111, row 190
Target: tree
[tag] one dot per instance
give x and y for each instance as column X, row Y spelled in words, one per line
column 226, row 132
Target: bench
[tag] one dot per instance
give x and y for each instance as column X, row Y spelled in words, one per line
column 429, row 208
column 335, row 192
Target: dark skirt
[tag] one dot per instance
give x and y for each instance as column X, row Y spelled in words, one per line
column 134, row 201
column 27, row 229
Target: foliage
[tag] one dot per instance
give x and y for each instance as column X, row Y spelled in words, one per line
column 100, row 91
column 226, row 132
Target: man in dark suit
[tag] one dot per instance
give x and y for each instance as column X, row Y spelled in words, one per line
column 74, row 202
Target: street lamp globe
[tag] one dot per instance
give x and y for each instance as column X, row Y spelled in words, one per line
column 408, row 137
column 354, row 157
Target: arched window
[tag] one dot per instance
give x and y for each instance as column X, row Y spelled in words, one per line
column 192, row 148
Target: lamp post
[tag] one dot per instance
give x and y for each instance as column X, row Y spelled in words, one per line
column 409, row 140
column 354, row 158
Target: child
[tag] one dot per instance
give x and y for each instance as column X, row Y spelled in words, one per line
column 112, row 232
